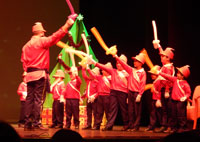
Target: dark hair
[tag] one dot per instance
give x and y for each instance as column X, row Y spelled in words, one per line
column 66, row 135
column 8, row 133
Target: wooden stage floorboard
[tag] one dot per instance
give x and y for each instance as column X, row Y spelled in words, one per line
column 116, row 135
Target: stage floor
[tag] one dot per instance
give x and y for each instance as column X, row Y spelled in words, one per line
column 94, row 135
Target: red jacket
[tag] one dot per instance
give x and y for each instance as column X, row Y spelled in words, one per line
column 22, row 88
column 103, row 87
column 72, row 89
column 167, row 69
column 156, row 94
column 118, row 78
column 92, row 84
column 57, row 90
column 181, row 88
column 136, row 79
column 35, row 54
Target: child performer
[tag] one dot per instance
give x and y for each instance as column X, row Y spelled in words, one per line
column 136, row 84
column 22, row 92
column 167, row 56
column 103, row 89
column 118, row 93
column 72, row 96
column 180, row 93
column 58, row 105
column 91, row 94
column 155, row 114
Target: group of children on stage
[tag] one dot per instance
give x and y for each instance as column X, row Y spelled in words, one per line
column 122, row 87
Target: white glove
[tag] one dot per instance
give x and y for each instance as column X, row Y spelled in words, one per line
column 74, row 71
column 90, row 60
column 183, row 99
column 166, row 94
column 24, row 95
column 89, row 99
column 158, row 103
column 156, row 44
column 138, row 98
column 92, row 99
column 62, row 99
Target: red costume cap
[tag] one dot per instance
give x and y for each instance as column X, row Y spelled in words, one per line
column 168, row 52
column 185, row 71
column 38, row 27
column 123, row 58
column 140, row 57
column 59, row 73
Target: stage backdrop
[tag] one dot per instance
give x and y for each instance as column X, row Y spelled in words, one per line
column 17, row 18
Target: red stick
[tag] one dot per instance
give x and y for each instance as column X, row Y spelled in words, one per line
column 70, row 6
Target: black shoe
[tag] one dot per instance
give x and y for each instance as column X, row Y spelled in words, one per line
column 107, row 129
column 96, row 128
column 41, row 128
column 67, row 127
column 125, row 128
column 28, row 128
column 161, row 130
column 149, row 129
column 134, row 129
column 168, row 130
column 20, row 125
column 76, row 127
column 59, row 126
column 52, row 126
column 87, row 127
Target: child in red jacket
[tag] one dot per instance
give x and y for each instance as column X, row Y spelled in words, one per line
column 118, row 92
column 180, row 93
column 22, row 92
column 103, row 88
column 58, row 105
column 72, row 96
column 166, row 56
column 136, row 84
column 91, row 95
column 155, row 113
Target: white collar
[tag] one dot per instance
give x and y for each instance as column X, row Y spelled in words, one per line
column 168, row 65
column 140, row 70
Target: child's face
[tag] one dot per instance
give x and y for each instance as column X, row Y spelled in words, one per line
column 104, row 73
column 137, row 64
column 180, row 76
column 72, row 76
column 154, row 76
column 119, row 66
column 58, row 78
column 164, row 59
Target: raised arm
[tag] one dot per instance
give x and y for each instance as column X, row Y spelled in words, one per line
column 63, row 63
column 124, row 65
column 168, row 77
column 103, row 67
column 84, row 74
column 58, row 35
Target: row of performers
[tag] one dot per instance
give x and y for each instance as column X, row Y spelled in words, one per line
column 123, row 87
column 114, row 87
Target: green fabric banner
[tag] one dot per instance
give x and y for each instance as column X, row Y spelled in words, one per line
column 76, row 30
